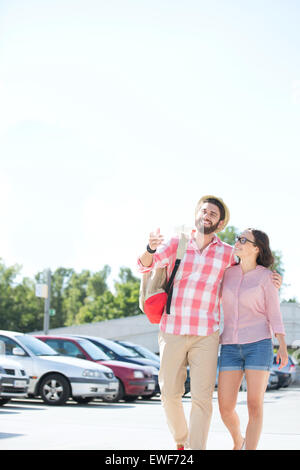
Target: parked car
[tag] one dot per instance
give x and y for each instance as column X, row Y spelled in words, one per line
column 56, row 378
column 287, row 374
column 141, row 350
column 147, row 354
column 272, row 382
column 117, row 352
column 13, row 380
column 134, row 380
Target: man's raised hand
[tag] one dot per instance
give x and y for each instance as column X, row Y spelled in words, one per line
column 155, row 239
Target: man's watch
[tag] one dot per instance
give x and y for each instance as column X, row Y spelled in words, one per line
column 150, row 250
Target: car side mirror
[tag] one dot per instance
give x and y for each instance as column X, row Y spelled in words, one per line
column 18, row 352
column 81, row 356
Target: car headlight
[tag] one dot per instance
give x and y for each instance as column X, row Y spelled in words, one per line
column 138, row 374
column 91, row 373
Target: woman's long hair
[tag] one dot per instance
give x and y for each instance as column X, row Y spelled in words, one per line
column 265, row 257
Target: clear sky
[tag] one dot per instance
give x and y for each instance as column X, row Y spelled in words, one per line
column 117, row 116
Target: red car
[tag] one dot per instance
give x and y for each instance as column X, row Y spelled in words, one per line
column 134, row 380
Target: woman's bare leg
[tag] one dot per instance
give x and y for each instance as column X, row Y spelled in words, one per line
column 228, row 387
column 257, row 381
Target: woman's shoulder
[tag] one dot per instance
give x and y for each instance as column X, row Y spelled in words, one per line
column 231, row 271
column 265, row 276
column 263, row 271
column 234, row 268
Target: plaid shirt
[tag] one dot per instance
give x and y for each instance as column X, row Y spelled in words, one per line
column 195, row 301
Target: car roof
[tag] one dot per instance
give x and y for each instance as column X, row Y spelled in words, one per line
column 72, row 338
column 97, row 338
column 11, row 333
column 126, row 342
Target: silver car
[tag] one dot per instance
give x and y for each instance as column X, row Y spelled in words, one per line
column 13, row 380
column 56, row 378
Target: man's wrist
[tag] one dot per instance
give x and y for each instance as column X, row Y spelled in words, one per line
column 150, row 250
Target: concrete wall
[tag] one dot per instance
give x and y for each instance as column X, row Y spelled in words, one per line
column 138, row 329
column 291, row 319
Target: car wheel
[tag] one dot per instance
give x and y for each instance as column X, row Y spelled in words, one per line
column 148, row 397
column 3, row 401
column 82, row 400
column 118, row 397
column 55, row 389
column 131, row 398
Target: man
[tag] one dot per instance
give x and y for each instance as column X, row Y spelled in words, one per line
column 189, row 335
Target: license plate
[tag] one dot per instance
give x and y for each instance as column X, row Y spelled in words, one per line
column 20, row 383
column 151, row 387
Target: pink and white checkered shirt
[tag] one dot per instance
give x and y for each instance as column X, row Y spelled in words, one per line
column 195, row 300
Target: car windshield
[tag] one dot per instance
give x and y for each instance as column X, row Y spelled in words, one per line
column 146, row 353
column 37, row 347
column 132, row 349
column 117, row 348
column 96, row 353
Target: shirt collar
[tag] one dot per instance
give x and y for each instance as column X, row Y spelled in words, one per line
column 215, row 241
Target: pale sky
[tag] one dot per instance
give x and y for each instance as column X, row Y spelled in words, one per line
column 117, row 116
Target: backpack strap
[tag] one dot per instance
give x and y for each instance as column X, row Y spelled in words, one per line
column 183, row 241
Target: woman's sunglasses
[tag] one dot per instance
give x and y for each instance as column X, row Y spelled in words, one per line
column 244, row 240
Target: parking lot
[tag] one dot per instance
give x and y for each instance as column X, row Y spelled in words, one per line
column 30, row 424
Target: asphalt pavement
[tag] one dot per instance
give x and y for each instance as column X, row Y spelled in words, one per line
column 30, row 425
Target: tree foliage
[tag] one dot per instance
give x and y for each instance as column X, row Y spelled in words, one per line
column 77, row 298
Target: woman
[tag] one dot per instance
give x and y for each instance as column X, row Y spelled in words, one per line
column 251, row 309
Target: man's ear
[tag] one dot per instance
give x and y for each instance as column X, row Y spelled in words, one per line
column 221, row 225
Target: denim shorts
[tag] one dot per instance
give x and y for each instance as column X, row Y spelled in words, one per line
column 258, row 355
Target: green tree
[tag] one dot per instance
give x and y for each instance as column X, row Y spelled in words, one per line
column 107, row 306
column 229, row 235
column 20, row 309
column 127, row 293
column 75, row 294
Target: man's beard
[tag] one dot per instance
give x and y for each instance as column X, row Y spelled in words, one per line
column 207, row 229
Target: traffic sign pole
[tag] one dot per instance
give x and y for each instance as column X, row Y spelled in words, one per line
column 47, row 304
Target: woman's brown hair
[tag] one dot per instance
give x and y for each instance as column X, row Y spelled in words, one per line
column 265, row 257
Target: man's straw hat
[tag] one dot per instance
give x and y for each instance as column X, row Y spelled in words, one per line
column 227, row 213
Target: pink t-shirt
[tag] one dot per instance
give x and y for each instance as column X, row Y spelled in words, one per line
column 251, row 306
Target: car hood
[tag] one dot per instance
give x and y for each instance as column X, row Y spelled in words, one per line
column 73, row 361
column 144, row 362
column 6, row 362
column 127, row 365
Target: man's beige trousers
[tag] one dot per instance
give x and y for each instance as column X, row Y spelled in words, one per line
column 200, row 353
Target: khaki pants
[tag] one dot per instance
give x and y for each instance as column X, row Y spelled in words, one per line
column 201, row 354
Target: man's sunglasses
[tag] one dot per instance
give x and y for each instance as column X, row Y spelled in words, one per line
column 244, row 240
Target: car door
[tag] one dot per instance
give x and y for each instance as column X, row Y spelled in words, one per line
column 25, row 360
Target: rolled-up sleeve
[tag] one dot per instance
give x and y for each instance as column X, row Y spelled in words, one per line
column 163, row 256
column 273, row 306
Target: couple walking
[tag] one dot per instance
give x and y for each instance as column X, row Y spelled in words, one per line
column 209, row 276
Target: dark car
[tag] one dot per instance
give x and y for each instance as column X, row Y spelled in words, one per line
column 272, row 381
column 134, row 380
column 286, row 375
column 117, row 352
column 146, row 353
column 141, row 350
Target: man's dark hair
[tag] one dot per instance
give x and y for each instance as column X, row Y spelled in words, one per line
column 218, row 204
